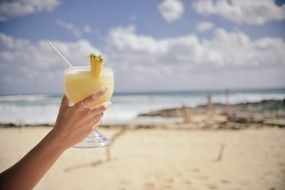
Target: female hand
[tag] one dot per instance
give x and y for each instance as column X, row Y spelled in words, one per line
column 74, row 123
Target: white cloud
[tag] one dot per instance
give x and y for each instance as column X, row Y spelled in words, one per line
column 76, row 31
column 34, row 67
column 70, row 27
column 225, row 48
column 204, row 26
column 125, row 39
column 171, row 10
column 141, row 62
column 9, row 9
column 254, row 12
column 153, row 63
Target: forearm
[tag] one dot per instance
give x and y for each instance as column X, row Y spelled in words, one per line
column 73, row 124
column 26, row 173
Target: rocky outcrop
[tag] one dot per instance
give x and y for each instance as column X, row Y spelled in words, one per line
column 220, row 116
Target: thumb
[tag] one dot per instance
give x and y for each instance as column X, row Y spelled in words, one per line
column 64, row 102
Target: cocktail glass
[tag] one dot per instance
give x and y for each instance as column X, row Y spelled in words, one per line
column 79, row 84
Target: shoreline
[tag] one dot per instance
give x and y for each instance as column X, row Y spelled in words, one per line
column 213, row 116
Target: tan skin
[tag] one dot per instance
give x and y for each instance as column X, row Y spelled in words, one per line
column 73, row 124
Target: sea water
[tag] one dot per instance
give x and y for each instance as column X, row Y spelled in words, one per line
column 43, row 109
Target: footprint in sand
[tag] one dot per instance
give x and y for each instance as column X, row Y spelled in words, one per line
column 149, row 185
column 187, row 182
column 224, row 181
column 212, row 186
column 196, row 170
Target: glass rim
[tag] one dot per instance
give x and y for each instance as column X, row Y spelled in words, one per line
column 86, row 68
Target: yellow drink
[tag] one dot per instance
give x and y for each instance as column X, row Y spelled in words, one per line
column 79, row 84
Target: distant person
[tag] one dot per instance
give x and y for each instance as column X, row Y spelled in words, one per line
column 73, row 124
column 209, row 100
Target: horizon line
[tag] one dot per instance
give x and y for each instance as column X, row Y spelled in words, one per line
column 164, row 91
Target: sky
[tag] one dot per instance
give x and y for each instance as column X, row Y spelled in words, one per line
column 152, row 45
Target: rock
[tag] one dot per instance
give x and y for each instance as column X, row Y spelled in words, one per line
column 277, row 122
column 220, row 116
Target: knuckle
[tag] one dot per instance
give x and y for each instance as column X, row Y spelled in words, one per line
column 95, row 96
column 96, row 110
column 98, row 116
column 102, row 107
column 100, row 93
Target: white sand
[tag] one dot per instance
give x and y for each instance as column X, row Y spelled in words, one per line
column 162, row 159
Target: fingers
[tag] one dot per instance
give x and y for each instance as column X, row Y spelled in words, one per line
column 93, row 121
column 93, row 97
column 94, row 117
column 97, row 124
column 101, row 108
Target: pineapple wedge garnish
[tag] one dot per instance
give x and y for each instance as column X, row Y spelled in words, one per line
column 96, row 64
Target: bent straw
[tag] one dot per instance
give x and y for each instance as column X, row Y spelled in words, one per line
column 60, row 54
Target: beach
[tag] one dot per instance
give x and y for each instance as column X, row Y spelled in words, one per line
column 188, row 95
column 161, row 159
column 212, row 146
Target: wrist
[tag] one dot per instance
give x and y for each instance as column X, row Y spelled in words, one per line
column 55, row 142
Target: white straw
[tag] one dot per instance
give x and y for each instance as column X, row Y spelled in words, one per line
column 59, row 53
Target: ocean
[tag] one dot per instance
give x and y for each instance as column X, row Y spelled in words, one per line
column 43, row 109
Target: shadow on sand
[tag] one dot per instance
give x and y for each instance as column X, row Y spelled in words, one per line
column 92, row 164
column 114, row 138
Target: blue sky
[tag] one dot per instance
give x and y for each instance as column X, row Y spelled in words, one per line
column 152, row 45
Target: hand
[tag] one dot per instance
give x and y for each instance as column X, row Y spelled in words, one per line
column 74, row 123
